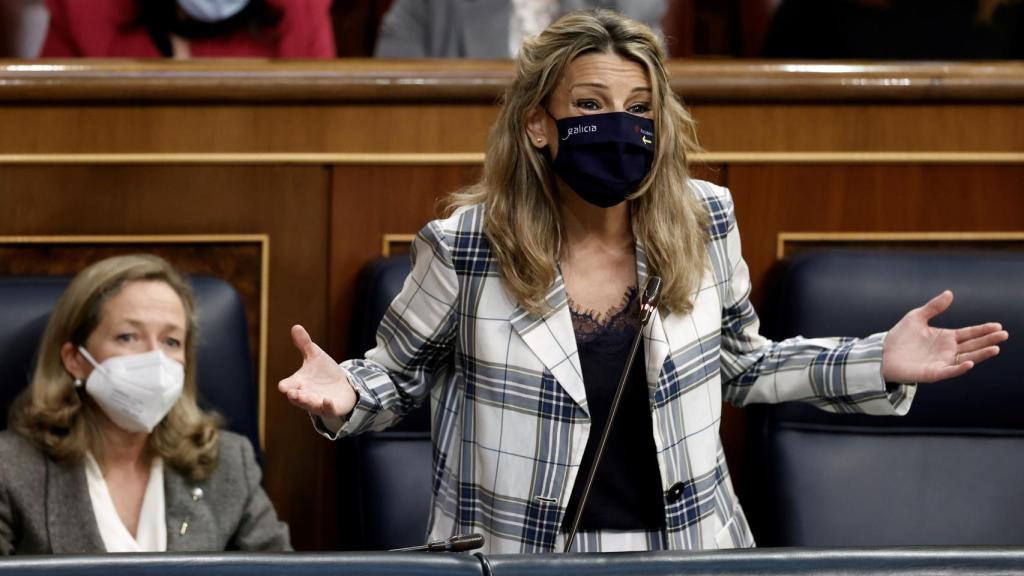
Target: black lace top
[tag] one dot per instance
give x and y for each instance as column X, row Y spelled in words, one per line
column 626, row 494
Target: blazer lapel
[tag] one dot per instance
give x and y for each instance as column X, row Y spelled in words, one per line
column 656, row 347
column 70, row 519
column 552, row 339
column 191, row 526
column 485, row 27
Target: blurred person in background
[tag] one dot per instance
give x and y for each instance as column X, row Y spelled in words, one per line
column 485, row 28
column 897, row 30
column 182, row 29
column 22, row 27
column 108, row 450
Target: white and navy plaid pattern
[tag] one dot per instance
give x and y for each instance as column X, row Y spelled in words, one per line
column 509, row 413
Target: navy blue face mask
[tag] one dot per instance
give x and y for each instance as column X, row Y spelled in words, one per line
column 604, row 157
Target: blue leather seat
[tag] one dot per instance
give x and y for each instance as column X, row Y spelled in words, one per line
column 225, row 375
column 392, row 478
column 946, row 474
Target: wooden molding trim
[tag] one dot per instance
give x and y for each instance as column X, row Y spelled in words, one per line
column 483, row 81
column 389, row 159
column 388, row 241
column 262, row 239
column 789, row 238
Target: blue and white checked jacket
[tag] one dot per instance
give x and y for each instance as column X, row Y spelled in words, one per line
column 509, row 412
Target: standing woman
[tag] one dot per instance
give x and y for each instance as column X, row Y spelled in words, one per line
column 520, row 307
column 108, row 451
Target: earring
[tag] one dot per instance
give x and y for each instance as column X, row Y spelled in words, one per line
column 539, row 140
column 77, row 382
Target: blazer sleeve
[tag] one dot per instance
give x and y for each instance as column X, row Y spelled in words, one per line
column 404, row 31
column 6, row 514
column 835, row 374
column 259, row 528
column 415, row 342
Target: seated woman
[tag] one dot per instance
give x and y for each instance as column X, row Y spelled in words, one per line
column 108, row 450
column 183, row 29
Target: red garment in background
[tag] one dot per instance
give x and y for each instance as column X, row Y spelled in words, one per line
column 109, row 29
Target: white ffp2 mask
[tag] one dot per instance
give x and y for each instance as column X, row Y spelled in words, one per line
column 137, row 390
column 211, row 11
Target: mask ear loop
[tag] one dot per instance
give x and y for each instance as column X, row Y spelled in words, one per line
column 79, row 383
column 89, row 357
column 92, row 361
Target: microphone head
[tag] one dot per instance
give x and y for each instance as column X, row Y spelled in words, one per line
column 465, row 542
column 652, row 291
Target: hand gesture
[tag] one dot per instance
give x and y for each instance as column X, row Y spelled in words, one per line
column 320, row 385
column 917, row 352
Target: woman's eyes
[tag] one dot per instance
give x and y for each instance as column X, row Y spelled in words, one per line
column 589, row 105
column 129, row 337
column 594, row 105
column 643, row 108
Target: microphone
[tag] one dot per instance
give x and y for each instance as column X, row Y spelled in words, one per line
column 648, row 304
column 649, row 301
column 457, row 543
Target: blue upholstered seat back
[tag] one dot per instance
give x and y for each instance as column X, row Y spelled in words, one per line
column 393, row 475
column 949, row 472
column 225, row 374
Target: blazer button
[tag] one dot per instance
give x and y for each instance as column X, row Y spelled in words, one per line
column 674, row 493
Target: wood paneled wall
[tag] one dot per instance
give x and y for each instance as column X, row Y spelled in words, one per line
column 325, row 158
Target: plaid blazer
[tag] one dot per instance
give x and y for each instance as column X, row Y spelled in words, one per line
column 509, row 411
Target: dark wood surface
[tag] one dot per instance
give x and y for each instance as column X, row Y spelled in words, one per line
column 869, row 199
column 367, row 203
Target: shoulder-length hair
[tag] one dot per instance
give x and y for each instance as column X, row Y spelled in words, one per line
column 56, row 415
column 519, row 187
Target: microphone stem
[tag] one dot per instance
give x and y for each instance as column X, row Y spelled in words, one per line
column 606, row 432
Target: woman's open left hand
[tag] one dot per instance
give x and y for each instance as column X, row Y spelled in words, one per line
column 319, row 386
column 916, row 352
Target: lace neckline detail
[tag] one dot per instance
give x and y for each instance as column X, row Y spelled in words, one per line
column 622, row 318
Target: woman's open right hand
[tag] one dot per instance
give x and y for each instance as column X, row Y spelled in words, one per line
column 320, row 385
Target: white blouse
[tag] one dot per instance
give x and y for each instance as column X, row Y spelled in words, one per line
column 152, row 531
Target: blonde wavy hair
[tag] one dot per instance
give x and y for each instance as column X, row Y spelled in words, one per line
column 58, row 417
column 520, row 190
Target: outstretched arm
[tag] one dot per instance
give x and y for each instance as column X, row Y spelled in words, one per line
column 415, row 343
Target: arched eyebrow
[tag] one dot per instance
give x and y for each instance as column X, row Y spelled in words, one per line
column 166, row 326
column 602, row 86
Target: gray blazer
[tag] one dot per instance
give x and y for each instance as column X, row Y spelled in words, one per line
column 476, row 28
column 45, row 506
